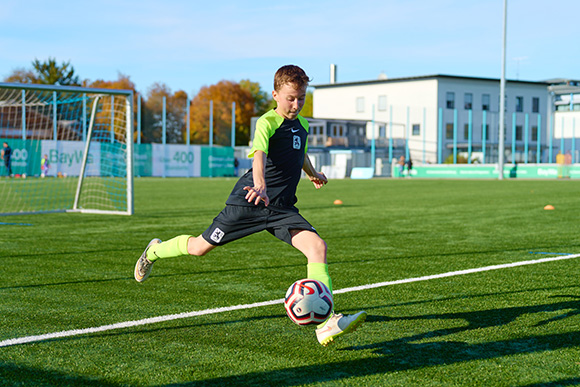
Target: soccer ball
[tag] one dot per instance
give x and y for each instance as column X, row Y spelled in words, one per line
column 308, row 301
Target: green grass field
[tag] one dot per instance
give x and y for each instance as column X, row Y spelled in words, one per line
column 514, row 326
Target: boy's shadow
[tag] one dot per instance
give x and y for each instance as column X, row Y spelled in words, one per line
column 430, row 348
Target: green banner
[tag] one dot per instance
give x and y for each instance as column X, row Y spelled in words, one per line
column 25, row 159
column 217, row 161
column 143, row 160
column 490, row 171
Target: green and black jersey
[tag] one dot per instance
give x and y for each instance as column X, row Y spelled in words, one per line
column 285, row 144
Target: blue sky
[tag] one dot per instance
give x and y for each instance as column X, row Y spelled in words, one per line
column 190, row 44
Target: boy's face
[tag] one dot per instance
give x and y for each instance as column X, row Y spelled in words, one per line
column 290, row 100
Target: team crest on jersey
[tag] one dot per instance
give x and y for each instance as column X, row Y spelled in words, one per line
column 217, row 235
column 297, row 142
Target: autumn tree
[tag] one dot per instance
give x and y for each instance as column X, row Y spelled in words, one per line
column 222, row 94
column 21, row 75
column 175, row 107
column 307, row 108
column 262, row 100
column 123, row 82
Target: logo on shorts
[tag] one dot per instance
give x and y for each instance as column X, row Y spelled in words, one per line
column 217, row 235
column 297, row 142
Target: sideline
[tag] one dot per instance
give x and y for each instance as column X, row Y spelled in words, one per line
column 170, row 317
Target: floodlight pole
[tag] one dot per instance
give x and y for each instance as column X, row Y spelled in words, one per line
column 501, row 152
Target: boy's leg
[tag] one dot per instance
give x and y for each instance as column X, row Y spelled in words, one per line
column 176, row 247
column 232, row 223
column 314, row 248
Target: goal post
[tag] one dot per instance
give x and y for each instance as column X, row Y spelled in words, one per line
column 71, row 149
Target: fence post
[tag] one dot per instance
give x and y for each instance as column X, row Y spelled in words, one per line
column 454, row 136
column 407, row 152
column 138, row 119
column 439, row 136
column 526, row 138
column 210, row 159
column 112, row 119
column 469, row 135
column 390, row 133
column 513, row 137
column 233, row 136
column 23, row 114
column 484, row 134
column 164, row 134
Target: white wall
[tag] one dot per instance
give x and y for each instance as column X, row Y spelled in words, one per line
column 417, row 101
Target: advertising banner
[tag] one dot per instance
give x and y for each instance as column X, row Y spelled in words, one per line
column 143, row 160
column 217, row 161
column 176, row 160
column 66, row 157
column 490, row 171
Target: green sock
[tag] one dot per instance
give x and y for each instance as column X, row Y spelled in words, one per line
column 319, row 271
column 175, row 247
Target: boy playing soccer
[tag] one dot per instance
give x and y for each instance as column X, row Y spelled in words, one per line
column 264, row 198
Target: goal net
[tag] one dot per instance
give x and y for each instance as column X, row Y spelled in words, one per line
column 69, row 149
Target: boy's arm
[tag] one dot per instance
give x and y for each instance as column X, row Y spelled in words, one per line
column 258, row 191
column 317, row 178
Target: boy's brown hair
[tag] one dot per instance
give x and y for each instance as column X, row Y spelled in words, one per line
column 292, row 75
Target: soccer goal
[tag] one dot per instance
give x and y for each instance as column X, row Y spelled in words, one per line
column 71, row 149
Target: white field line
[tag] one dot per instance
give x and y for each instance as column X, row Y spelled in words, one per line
column 170, row 317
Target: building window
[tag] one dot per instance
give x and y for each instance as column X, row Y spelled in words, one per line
column 337, row 131
column 519, row 104
column 360, row 104
column 519, row 131
column 316, row 130
column 535, row 105
column 468, row 101
column 466, row 132
column 416, row 130
column 486, row 131
column 382, row 131
column 382, row 103
column 534, row 133
column 449, row 131
column 450, row 98
column 485, row 102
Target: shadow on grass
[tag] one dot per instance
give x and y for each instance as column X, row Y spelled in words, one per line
column 17, row 375
column 426, row 349
column 557, row 383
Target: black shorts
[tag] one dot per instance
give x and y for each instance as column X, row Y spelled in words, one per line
column 235, row 222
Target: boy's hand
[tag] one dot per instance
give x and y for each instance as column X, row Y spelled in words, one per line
column 319, row 180
column 256, row 194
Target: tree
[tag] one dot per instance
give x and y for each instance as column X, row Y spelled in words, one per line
column 21, row 75
column 46, row 73
column 262, row 100
column 123, row 82
column 50, row 73
column 175, row 107
column 222, row 95
column 307, row 108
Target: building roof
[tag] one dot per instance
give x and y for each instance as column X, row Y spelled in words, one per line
column 422, row 78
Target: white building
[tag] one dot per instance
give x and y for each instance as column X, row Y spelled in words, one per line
column 442, row 116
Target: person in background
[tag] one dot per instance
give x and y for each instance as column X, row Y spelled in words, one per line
column 44, row 166
column 6, row 155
